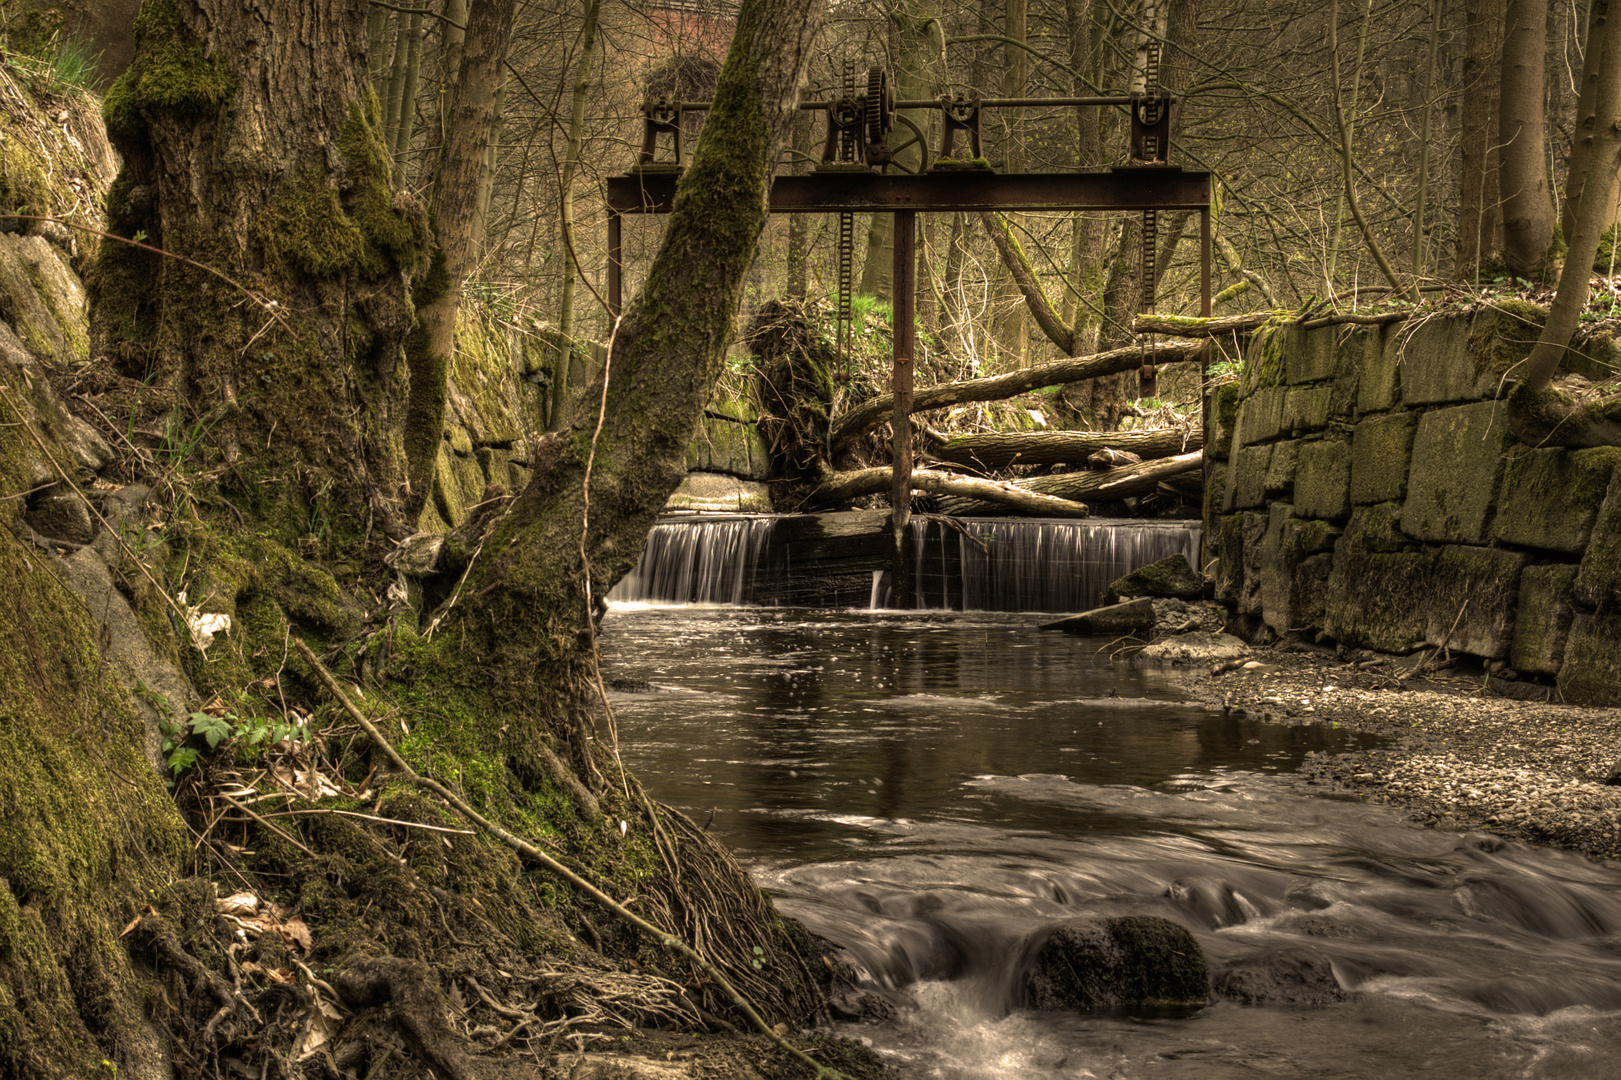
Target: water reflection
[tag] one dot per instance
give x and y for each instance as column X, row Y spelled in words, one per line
column 885, row 715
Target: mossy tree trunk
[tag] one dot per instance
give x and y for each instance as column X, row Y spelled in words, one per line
column 253, row 145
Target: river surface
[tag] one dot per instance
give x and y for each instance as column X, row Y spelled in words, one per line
column 932, row 792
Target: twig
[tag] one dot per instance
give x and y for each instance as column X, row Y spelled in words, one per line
column 523, row 847
column 278, row 830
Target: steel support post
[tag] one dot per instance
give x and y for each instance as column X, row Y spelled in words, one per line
column 904, row 332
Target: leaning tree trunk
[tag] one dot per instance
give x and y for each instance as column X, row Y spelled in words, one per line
column 1528, row 218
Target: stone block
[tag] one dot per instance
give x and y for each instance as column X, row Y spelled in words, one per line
column 1215, row 490
column 1280, row 468
column 1591, row 672
column 43, row 299
column 1379, row 381
column 1598, row 583
column 720, row 493
column 1542, row 619
column 1306, row 409
column 1246, row 478
column 1375, row 578
column 1323, row 480
column 495, row 463
column 460, row 442
column 1500, row 339
column 1457, row 460
column 1381, row 450
column 1294, row 570
column 1265, row 362
column 1348, row 353
column 1221, row 421
column 1550, row 498
column 1260, row 417
column 1469, row 604
column 1437, row 366
column 1227, row 543
column 1253, row 552
column 448, row 499
column 1310, row 357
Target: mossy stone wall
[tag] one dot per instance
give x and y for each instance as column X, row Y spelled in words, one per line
column 1372, row 496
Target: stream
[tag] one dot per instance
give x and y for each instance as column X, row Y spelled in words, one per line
column 931, row 790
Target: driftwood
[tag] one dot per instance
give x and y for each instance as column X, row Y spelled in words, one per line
column 838, row 488
column 1090, row 486
column 1063, row 447
column 870, row 414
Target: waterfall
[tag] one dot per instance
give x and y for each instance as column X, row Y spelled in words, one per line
column 1020, row 564
column 710, row 561
column 967, row 564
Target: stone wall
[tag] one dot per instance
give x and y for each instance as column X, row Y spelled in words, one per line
column 499, row 395
column 1364, row 489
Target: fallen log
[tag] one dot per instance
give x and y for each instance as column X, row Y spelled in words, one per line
column 840, row 488
column 870, row 414
column 1091, row 486
column 1192, row 326
column 1062, row 447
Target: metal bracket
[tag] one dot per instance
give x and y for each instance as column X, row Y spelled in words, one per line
column 960, row 114
column 660, row 117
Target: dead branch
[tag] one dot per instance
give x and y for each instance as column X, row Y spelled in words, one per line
column 839, row 488
column 1063, row 447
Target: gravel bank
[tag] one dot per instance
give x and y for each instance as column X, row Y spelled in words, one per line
column 1460, row 756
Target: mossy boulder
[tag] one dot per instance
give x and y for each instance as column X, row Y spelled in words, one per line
column 1550, row 497
column 1171, row 576
column 1542, row 619
column 1124, row 961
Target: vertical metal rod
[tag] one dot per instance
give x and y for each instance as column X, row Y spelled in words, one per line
column 615, row 265
column 904, row 333
column 1207, row 399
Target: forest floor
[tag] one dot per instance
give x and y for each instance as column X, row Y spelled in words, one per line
column 1461, row 751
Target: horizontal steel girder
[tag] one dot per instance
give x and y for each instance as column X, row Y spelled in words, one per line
column 1147, row 187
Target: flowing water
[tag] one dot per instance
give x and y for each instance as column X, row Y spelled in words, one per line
column 930, row 792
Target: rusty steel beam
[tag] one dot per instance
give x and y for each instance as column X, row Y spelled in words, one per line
column 1146, row 187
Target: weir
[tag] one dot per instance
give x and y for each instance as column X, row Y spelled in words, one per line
column 841, row 561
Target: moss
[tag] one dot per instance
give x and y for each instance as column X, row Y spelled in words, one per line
column 1503, row 334
column 394, row 228
column 173, row 72
column 307, row 228
column 88, row 824
column 1267, row 361
column 121, row 113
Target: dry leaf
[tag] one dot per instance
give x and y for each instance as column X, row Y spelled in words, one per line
column 242, row 903
column 296, row 935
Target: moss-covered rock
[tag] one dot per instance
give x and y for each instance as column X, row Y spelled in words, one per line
column 1171, row 576
column 1381, row 453
column 1469, row 602
column 1598, row 584
column 1591, row 672
column 1379, row 378
column 1123, row 961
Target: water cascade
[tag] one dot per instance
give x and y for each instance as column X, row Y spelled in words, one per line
column 709, row 561
column 839, row 560
column 1018, row 564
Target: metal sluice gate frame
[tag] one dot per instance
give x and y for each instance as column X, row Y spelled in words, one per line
column 849, row 180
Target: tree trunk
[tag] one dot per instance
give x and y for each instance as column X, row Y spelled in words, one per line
column 1539, row 414
column 874, row 411
column 455, row 211
column 1109, row 486
column 998, row 451
column 268, row 161
column 1528, row 218
column 560, row 399
column 1479, row 215
column 839, row 489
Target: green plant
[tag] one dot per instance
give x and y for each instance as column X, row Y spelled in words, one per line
column 215, row 731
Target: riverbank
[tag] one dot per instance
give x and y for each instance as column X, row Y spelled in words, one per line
column 1460, row 754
